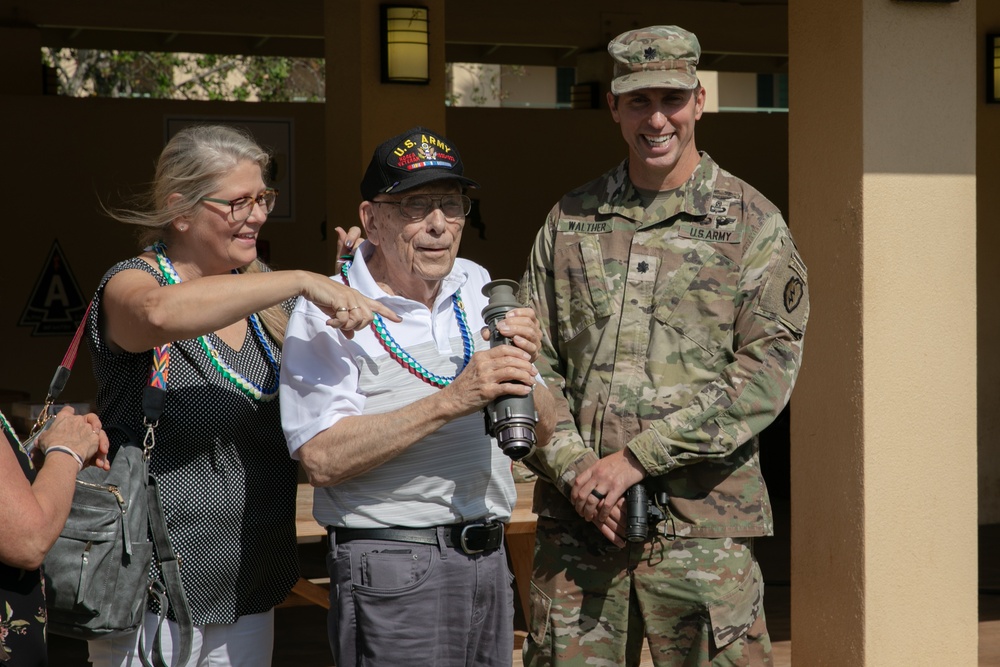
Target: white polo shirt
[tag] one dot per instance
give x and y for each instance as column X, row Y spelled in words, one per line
column 455, row 474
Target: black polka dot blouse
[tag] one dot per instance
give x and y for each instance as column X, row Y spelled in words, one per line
column 227, row 482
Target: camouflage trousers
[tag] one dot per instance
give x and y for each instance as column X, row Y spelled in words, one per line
column 697, row 601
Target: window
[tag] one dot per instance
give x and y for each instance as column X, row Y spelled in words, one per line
column 195, row 76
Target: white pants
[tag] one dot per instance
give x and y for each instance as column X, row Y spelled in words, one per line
column 247, row 643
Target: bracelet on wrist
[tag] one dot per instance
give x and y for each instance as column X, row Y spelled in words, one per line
column 66, row 450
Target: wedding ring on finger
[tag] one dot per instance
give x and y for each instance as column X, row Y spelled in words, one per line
column 342, row 310
column 597, row 494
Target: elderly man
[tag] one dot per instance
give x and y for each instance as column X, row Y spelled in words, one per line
column 673, row 304
column 388, row 425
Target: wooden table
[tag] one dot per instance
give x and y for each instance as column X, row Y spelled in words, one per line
column 520, row 537
column 306, row 528
column 307, row 531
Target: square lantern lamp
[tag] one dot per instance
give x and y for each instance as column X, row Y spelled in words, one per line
column 404, row 44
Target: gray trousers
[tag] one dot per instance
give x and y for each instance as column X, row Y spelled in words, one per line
column 398, row 603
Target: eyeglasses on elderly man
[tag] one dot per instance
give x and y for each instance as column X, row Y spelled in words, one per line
column 418, row 207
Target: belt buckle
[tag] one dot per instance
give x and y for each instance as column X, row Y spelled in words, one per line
column 464, row 539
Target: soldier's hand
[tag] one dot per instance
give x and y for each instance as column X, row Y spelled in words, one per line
column 613, row 527
column 599, row 488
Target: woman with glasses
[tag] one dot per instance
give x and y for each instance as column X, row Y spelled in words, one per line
column 36, row 489
column 227, row 483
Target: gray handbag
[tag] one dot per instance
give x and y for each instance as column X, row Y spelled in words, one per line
column 97, row 572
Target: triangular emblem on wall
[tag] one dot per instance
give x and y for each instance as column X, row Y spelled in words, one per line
column 56, row 303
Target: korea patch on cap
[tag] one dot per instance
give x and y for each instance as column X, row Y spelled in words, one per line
column 660, row 56
column 416, row 157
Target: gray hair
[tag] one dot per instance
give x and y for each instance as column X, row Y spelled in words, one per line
column 191, row 164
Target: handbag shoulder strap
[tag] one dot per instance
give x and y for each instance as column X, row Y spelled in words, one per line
column 154, row 396
column 61, row 376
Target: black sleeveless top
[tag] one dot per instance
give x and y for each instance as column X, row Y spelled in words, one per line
column 227, row 482
column 22, row 595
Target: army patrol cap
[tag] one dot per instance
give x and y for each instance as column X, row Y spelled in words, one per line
column 660, row 56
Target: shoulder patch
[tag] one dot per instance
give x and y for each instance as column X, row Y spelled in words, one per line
column 786, row 293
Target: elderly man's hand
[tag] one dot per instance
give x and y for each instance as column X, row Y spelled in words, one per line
column 500, row 371
column 521, row 326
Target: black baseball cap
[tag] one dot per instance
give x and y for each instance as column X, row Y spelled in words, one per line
column 413, row 158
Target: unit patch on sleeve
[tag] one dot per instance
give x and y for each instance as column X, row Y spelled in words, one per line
column 794, row 289
column 786, row 293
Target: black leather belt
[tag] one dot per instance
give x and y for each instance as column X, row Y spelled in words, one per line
column 471, row 538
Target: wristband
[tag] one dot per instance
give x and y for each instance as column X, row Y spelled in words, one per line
column 66, row 450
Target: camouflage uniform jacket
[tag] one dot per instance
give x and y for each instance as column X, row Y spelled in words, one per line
column 675, row 331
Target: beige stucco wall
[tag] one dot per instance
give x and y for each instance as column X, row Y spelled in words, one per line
column 920, row 401
column 737, row 89
column 919, row 467
column 884, row 440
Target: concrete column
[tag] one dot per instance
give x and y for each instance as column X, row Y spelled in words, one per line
column 988, row 281
column 883, row 185
column 361, row 111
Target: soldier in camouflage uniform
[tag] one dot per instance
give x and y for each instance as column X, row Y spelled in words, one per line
column 673, row 304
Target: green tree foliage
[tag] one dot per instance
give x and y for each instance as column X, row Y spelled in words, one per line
column 88, row 72
column 477, row 84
